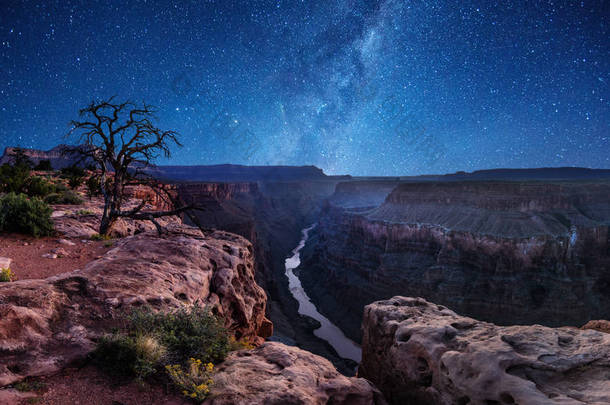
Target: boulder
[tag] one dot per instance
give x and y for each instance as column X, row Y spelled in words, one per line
column 417, row 352
column 278, row 374
column 5, row 262
column 46, row 324
column 599, row 324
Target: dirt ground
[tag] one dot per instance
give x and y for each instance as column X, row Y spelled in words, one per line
column 27, row 254
column 90, row 386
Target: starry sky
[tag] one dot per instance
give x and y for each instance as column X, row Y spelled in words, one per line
column 370, row 87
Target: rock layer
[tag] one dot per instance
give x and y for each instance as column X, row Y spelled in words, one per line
column 502, row 252
column 46, row 324
column 278, row 374
column 417, row 352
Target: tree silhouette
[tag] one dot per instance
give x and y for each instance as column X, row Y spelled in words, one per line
column 121, row 140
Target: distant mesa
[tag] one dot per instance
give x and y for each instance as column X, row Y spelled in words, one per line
column 227, row 173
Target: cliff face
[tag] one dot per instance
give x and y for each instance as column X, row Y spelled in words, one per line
column 417, row 352
column 56, row 156
column 46, row 324
column 270, row 215
column 506, row 253
column 362, row 193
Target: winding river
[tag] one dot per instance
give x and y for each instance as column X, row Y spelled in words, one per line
column 344, row 346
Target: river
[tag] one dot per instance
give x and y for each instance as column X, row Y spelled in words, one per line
column 344, row 346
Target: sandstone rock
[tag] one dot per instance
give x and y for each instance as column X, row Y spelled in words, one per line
column 66, row 242
column 60, row 252
column 278, row 374
column 600, row 325
column 78, row 226
column 58, row 213
column 46, row 324
column 50, row 256
column 5, row 262
column 14, row 397
column 417, row 352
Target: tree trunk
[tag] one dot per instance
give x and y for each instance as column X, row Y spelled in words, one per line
column 106, row 224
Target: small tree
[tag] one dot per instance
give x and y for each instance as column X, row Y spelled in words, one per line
column 44, row 166
column 121, row 140
column 74, row 174
column 94, row 186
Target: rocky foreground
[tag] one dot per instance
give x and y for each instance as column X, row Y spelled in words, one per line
column 417, row 352
column 47, row 324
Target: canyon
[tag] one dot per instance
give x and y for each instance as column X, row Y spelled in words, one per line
column 504, row 252
column 497, row 252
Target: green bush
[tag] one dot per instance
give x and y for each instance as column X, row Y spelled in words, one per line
column 124, row 355
column 147, row 338
column 38, row 187
column 20, row 214
column 13, row 178
column 65, row 197
column 60, row 187
column 186, row 333
column 6, row 275
column 98, row 237
column 44, row 165
column 74, row 174
column 94, row 186
column 116, row 354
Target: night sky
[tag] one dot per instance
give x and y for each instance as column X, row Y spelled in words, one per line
column 390, row 87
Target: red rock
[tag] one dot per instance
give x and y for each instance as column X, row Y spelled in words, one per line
column 417, row 352
column 600, row 325
column 46, row 324
column 275, row 373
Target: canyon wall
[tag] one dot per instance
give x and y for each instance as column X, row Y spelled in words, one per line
column 509, row 253
column 271, row 215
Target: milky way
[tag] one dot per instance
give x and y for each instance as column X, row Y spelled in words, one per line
column 361, row 87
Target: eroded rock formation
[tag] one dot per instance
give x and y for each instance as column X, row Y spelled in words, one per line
column 508, row 253
column 83, row 221
column 278, row 374
column 46, row 324
column 418, row 352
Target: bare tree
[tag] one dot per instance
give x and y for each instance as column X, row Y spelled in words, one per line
column 121, row 140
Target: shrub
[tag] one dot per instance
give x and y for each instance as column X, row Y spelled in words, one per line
column 98, row 237
column 195, row 382
column 149, row 353
column 30, row 385
column 124, row 355
column 44, row 166
column 38, row 187
column 74, row 174
column 94, row 186
column 66, row 197
column 74, row 182
column 116, row 354
column 60, row 187
column 147, row 338
column 20, row 214
column 6, row 275
column 186, row 333
column 13, row 178
column 84, row 212
column 241, row 344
